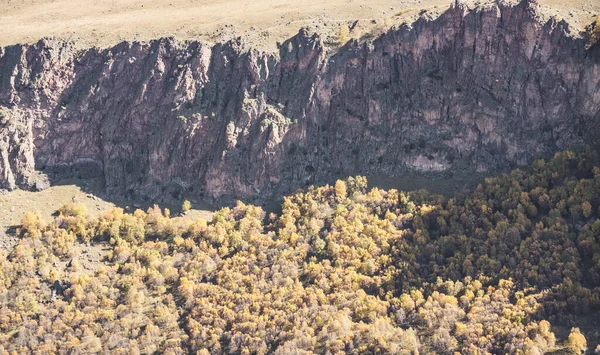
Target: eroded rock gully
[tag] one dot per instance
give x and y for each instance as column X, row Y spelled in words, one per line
column 478, row 90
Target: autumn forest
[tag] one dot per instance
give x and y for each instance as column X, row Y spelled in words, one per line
column 342, row 269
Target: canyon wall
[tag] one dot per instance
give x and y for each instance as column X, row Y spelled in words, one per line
column 472, row 90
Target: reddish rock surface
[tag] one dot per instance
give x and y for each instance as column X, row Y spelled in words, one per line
column 477, row 90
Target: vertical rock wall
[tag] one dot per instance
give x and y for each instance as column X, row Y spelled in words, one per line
column 477, row 90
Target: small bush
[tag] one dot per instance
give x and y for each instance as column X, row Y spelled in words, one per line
column 343, row 35
column 73, row 210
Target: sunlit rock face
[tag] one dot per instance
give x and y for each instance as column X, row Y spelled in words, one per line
column 477, row 90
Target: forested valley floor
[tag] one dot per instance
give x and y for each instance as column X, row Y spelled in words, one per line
column 504, row 268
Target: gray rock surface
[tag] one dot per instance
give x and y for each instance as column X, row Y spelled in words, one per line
column 477, row 90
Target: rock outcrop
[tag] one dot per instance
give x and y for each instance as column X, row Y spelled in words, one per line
column 479, row 90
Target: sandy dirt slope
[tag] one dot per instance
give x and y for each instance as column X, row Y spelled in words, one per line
column 15, row 204
column 106, row 22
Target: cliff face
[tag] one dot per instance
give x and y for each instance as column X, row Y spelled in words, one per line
column 477, row 90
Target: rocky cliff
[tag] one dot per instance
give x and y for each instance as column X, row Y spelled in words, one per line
column 478, row 90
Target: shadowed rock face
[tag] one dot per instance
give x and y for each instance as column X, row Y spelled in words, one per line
column 479, row 90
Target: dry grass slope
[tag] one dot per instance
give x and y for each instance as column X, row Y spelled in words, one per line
column 263, row 23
